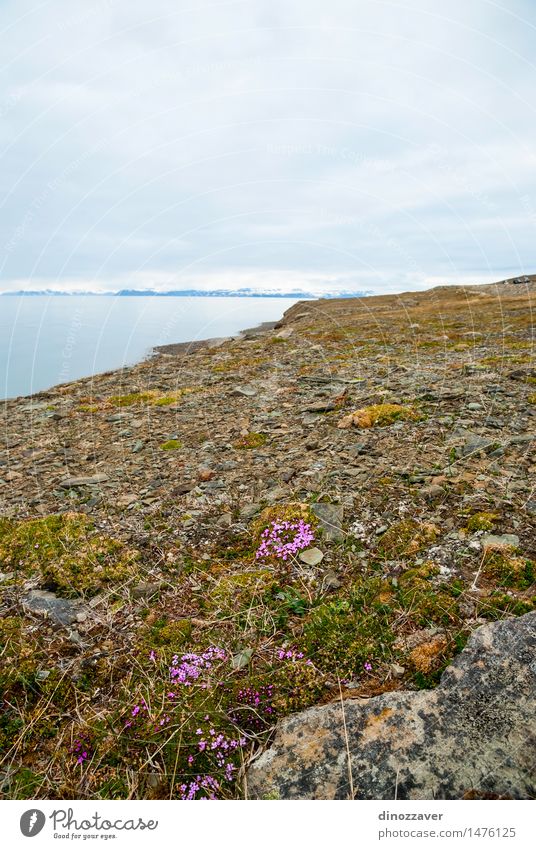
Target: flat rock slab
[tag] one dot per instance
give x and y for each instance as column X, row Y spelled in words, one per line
column 473, row 736
column 245, row 391
column 62, row 611
column 93, row 480
column 330, row 517
column 502, row 541
column 312, row 556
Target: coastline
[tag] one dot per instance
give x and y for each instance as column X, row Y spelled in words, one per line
column 341, row 305
column 184, row 348
column 178, row 348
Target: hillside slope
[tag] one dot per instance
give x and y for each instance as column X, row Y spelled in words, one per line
column 396, row 438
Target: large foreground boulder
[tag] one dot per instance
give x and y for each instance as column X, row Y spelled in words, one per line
column 473, row 736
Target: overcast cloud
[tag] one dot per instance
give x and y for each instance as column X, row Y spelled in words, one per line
column 349, row 144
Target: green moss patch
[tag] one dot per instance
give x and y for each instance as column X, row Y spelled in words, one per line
column 251, row 440
column 171, row 445
column 149, row 397
column 507, row 570
column 367, row 625
column 67, row 553
column 405, row 539
column 482, row 522
column 132, row 399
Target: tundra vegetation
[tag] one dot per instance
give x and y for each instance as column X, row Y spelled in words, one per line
column 199, row 545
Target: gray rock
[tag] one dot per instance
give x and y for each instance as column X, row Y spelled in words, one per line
column 470, row 736
column 249, row 510
column 137, row 447
column 320, row 407
column 62, row 611
column 312, row 556
column 432, row 492
column 502, row 541
column 245, row 391
column 357, row 449
column 475, row 445
column 126, row 500
column 331, row 518
column 522, row 439
column 225, row 520
column 331, row 582
column 242, row 658
column 69, row 483
column 146, row 589
column 278, row 493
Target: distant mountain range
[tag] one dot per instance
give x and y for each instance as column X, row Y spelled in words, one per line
column 195, row 293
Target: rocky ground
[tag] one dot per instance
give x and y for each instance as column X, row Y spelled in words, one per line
column 400, row 429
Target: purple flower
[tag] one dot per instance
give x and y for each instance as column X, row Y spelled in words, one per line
column 284, row 539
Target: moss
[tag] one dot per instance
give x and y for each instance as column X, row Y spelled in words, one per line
column 369, row 621
column 149, row 397
column 251, row 440
column 253, row 601
column 427, row 602
column 165, row 633
column 132, row 399
column 111, row 784
column 482, row 522
column 342, row 634
column 380, row 415
column 21, row 655
column 241, row 590
column 233, row 548
column 166, row 400
column 498, row 604
column 405, row 539
column 25, row 784
column 532, row 399
column 296, row 687
column 67, row 553
column 426, row 657
column 171, row 445
column 88, row 408
column 507, row 570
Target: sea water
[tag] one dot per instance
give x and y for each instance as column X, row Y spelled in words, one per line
column 46, row 340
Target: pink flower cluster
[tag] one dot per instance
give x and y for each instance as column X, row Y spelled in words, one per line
column 205, row 783
column 283, row 539
column 136, row 710
column 292, row 655
column 221, row 748
column 80, row 750
column 187, row 669
column 254, row 710
column 289, row 654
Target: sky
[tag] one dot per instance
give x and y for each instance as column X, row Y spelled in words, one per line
column 281, row 145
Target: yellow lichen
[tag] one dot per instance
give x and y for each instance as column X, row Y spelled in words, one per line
column 379, row 415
